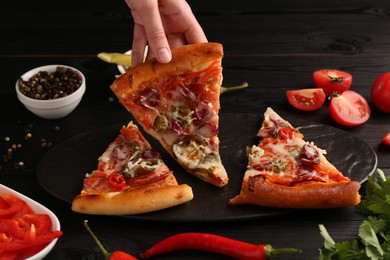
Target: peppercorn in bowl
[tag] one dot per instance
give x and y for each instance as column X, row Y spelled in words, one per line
column 51, row 91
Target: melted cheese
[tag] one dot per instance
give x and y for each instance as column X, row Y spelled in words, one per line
column 273, row 156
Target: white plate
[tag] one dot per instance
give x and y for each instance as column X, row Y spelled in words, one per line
column 39, row 209
column 122, row 69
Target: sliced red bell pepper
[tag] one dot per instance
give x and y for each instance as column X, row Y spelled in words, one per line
column 14, row 206
column 22, row 232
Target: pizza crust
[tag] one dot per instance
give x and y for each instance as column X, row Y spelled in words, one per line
column 310, row 195
column 195, row 56
column 128, row 202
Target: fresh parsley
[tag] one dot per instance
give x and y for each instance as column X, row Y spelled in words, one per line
column 374, row 232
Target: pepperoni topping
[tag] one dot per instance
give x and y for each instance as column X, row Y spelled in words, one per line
column 203, row 111
column 198, row 91
column 207, row 129
column 150, row 177
column 122, row 152
column 150, row 154
column 148, row 98
column 310, row 155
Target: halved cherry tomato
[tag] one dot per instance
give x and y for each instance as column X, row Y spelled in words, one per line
column 380, row 92
column 331, row 80
column 349, row 108
column 306, row 99
column 386, row 138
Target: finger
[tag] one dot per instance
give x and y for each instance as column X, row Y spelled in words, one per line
column 176, row 40
column 195, row 34
column 139, row 43
column 155, row 35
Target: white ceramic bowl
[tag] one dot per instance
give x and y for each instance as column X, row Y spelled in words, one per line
column 40, row 209
column 122, row 69
column 53, row 108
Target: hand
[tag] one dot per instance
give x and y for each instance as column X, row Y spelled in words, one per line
column 162, row 24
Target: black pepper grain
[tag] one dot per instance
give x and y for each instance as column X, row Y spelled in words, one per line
column 45, row 86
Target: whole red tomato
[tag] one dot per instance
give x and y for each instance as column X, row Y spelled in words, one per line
column 386, row 138
column 349, row 108
column 380, row 92
column 306, row 99
column 331, row 80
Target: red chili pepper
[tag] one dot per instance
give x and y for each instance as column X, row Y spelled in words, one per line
column 117, row 255
column 217, row 244
column 120, row 255
column 117, row 181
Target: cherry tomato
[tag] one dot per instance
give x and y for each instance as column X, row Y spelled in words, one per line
column 386, row 138
column 306, row 99
column 380, row 92
column 349, row 108
column 331, row 80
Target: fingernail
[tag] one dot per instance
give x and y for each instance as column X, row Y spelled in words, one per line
column 164, row 55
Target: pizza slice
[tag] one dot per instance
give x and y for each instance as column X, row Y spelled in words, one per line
column 131, row 178
column 178, row 104
column 286, row 171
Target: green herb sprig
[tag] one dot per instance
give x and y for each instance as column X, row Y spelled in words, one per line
column 374, row 232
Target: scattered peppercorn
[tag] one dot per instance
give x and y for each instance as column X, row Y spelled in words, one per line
column 7, row 139
column 44, row 85
column 56, row 128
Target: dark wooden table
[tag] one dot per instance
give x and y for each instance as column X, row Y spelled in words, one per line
column 273, row 45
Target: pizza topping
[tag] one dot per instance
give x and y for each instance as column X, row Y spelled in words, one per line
column 279, row 165
column 276, row 129
column 203, row 111
column 190, row 150
column 125, row 150
column 150, row 154
column 310, row 155
column 152, row 177
column 182, row 115
column 116, row 181
column 160, row 123
column 148, row 98
column 254, row 152
column 207, row 129
column 141, row 167
column 285, row 133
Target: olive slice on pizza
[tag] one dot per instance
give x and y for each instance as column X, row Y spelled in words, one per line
column 131, row 178
column 178, row 103
column 286, row 171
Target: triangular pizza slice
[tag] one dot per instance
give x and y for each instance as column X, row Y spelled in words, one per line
column 178, row 104
column 131, row 178
column 286, row 171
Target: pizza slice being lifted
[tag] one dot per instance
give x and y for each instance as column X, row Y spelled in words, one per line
column 286, row 171
column 178, row 104
column 131, row 178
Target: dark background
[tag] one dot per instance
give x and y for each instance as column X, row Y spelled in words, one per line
column 273, row 45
